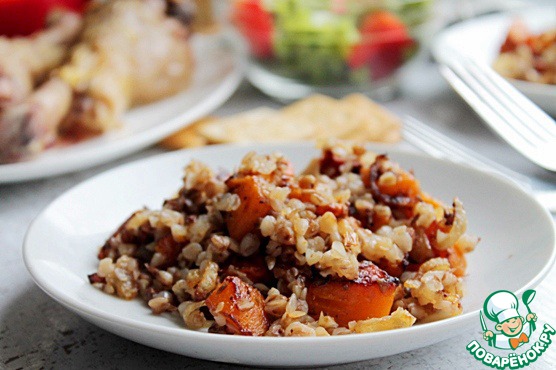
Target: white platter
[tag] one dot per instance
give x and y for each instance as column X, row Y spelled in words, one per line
column 219, row 69
column 480, row 38
column 516, row 251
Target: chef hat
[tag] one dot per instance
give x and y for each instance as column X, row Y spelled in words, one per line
column 501, row 306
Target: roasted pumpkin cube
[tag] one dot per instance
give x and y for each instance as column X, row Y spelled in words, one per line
column 254, row 205
column 370, row 295
column 239, row 306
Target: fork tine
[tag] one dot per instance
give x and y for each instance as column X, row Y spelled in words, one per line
column 433, row 145
column 470, row 92
column 437, row 144
column 538, row 118
column 499, row 107
column 541, row 152
column 532, row 118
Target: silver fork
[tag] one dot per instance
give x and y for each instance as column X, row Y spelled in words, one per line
column 509, row 113
column 439, row 145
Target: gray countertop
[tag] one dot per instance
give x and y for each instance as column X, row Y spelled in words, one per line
column 37, row 332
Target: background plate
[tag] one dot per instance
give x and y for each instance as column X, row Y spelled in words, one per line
column 480, row 38
column 219, row 69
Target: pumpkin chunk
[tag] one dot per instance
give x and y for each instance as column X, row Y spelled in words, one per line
column 370, row 295
column 238, row 306
column 254, row 205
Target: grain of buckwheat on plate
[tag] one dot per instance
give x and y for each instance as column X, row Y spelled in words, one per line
column 351, row 245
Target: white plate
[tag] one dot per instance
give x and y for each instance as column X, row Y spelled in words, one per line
column 219, row 69
column 516, row 251
column 480, row 38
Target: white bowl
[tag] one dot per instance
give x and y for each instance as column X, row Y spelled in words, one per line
column 516, row 251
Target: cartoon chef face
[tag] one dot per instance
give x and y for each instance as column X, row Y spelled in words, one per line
column 501, row 307
column 511, row 327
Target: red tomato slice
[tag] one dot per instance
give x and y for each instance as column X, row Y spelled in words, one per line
column 385, row 39
column 382, row 21
column 387, row 59
column 23, row 17
column 360, row 55
column 256, row 25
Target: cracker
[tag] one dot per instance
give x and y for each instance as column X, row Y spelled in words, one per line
column 259, row 125
column 374, row 122
column 329, row 114
column 354, row 117
column 187, row 137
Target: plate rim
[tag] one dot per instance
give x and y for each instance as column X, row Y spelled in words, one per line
column 74, row 305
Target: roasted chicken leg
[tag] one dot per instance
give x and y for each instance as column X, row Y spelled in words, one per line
column 129, row 52
column 28, row 128
column 25, row 61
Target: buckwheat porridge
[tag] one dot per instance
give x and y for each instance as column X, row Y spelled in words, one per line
column 350, row 245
